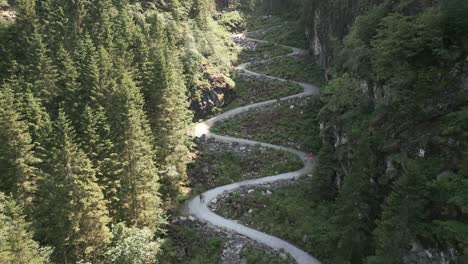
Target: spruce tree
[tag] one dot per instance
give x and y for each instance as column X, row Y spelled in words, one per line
column 124, row 30
column 26, row 24
column 34, row 114
column 52, row 14
column 72, row 214
column 354, row 217
column 200, row 12
column 140, row 203
column 167, row 108
column 67, row 83
column 88, row 80
column 324, row 183
column 41, row 72
column 16, row 239
column 99, row 22
column 404, row 213
column 76, row 12
column 98, row 145
column 18, row 174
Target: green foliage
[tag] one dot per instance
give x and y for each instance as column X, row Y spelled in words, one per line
column 18, row 173
column 287, row 213
column 100, row 149
column 280, row 124
column 292, row 68
column 397, row 92
column 72, row 214
column 256, row 22
column 254, row 91
column 133, row 245
column 168, row 111
column 139, row 201
column 233, row 21
column 355, row 208
column 118, row 71
column 41, row 72
column 196, row 247
column 253, row 256
column 405, row 212
column 214, row 168
column 324, row 185
column 17, row 244
column 6, row 49
column 262, row 51
column 280, row 31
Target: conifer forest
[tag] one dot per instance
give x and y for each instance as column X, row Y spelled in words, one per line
column 234, row 131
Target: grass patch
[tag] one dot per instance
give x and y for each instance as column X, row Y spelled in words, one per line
column 257, row 22
column 287, row 213
column 289, row 33
column 216, row 168
column 296, row 127
column 253, row 91
column 254, row 256
column 261, row 52
column 293, row 68
column 185, row 245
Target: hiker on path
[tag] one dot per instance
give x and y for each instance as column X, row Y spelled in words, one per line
column 202, row 198
column 310, row 155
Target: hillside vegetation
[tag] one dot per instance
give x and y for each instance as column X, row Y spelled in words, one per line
column 94, row 123
column 98, row 98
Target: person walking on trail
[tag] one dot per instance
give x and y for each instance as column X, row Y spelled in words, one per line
column 310, row 155
column 202, row 198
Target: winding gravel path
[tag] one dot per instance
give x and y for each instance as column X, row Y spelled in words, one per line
column 200, row 209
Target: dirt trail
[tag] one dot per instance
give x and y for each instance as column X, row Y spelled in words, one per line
column 200, row 210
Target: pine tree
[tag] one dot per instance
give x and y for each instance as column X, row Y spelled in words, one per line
column 88, row 80
column 25, row 25
column 323, row 185
column 167, row 108
column 16, row 240
column 99, row 22
column 40, row 71
column 52, row 14
column 98, row 145
column 18, row 174
column 7, row 49
column 200, row 12
column 72, row 214
column 139, row 196
column 34, row 114
column 67, row 83
column 76, row 12
column 404, row 214
column 355, row 202
column 124, row 30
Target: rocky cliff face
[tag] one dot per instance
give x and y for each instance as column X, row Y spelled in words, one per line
column 218, row 92
column 328, row 22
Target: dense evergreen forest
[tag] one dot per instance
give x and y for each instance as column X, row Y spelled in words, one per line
column 392, row 174
column 94, row 123
column 97, row 100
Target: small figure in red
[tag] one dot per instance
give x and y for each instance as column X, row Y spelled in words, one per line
column 310, row 156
